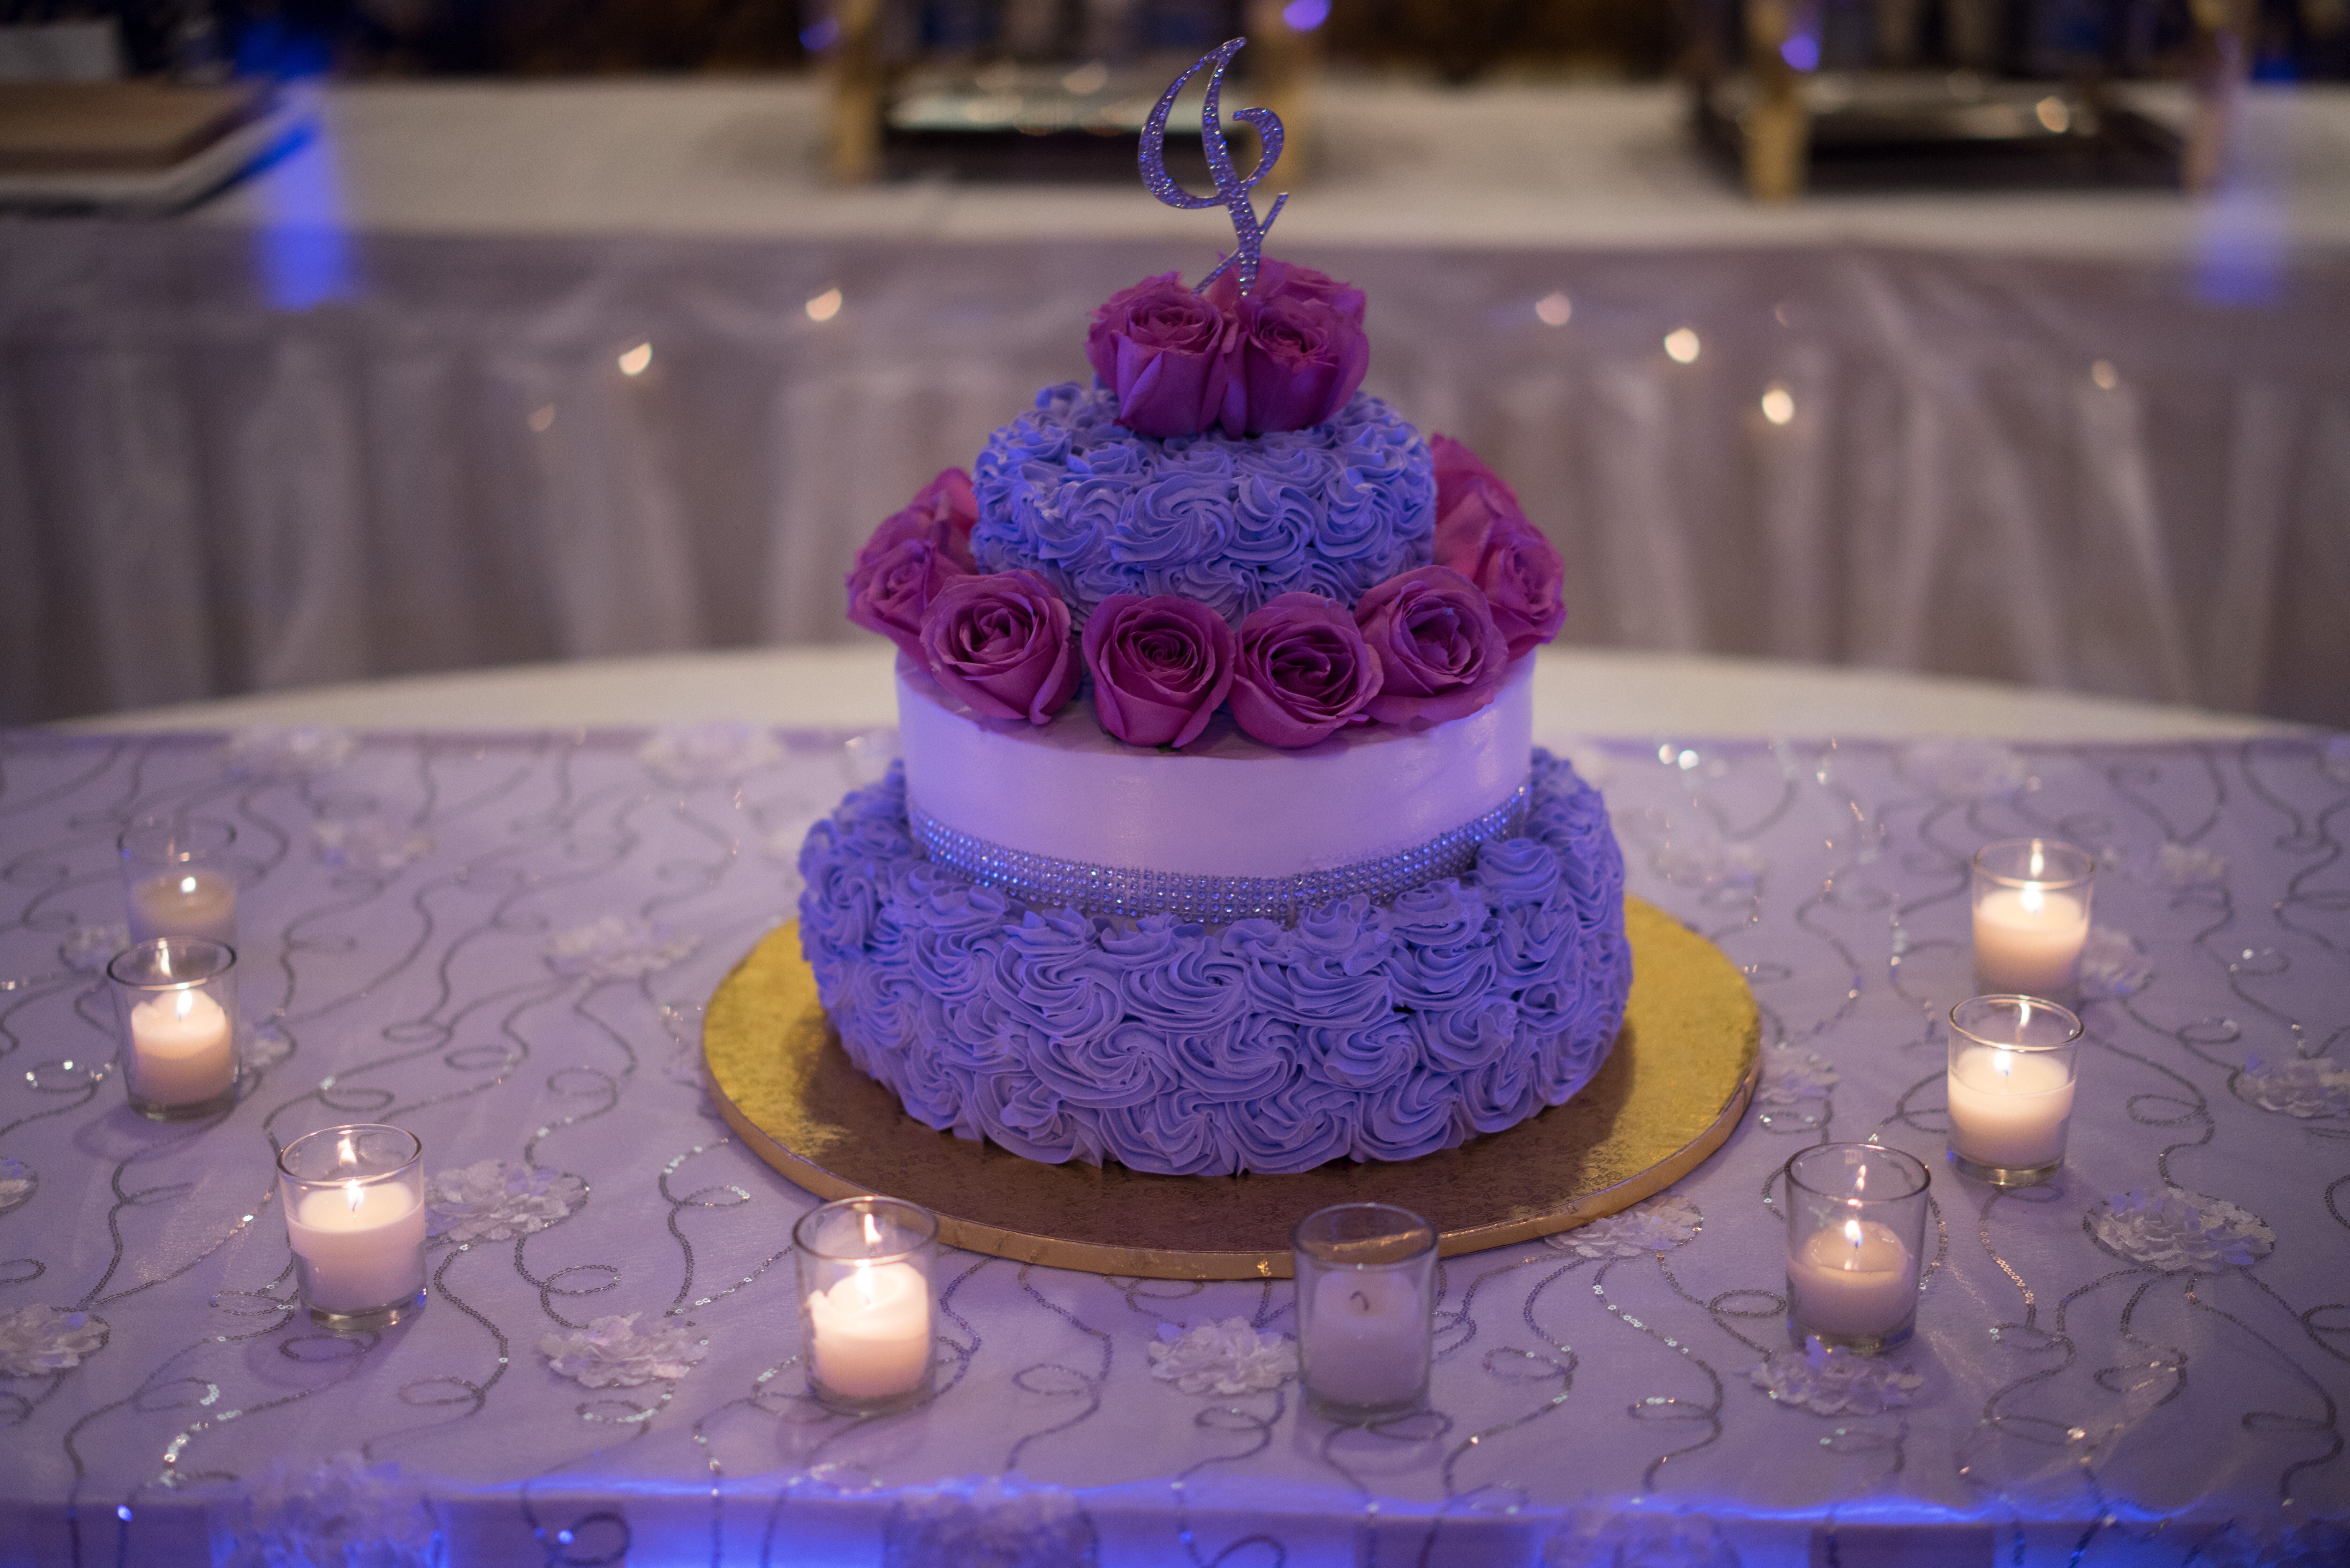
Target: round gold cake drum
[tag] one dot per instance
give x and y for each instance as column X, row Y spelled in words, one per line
column 1671, row 1091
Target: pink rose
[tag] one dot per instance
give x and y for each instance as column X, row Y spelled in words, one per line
column 1277, row 278
column 1440, row 652
column 1160, row 667
column 910, row 556
column 1000, row 644
column 1483, row 533
column 1168, row 354
column 1300, row 360
column 1303, row 671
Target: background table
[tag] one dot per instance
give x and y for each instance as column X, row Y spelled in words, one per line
column 501, row 939
column 366, row 415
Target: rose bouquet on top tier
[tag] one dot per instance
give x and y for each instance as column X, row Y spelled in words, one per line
column 1429, row 645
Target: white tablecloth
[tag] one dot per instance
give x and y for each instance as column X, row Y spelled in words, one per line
column 366, row 415
column 501, row 941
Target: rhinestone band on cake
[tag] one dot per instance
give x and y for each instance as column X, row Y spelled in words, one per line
column 1045, row 882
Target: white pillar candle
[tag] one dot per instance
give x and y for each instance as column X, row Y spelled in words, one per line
column 871, row 1330
column 2028, row 940
column 1854, row 1280
column 1366, row 1343
column 185, row 903
column 2008, row 1108
column 184, row 1051
column 361, row 1244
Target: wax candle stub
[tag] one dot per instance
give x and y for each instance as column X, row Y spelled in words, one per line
column 2028, row 939
column 182, row 1049
column 2008, row 1108
column 1856, row 1280
column 1366, row 1340
column 870, row 1331
column 360, row 1244
column 183, row 903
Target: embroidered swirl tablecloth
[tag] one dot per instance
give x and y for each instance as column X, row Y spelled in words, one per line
column 503, row 942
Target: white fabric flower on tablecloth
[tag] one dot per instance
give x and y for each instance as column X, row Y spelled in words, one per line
column 1227, row 1358
column 1597, row 1535
column 2180, row 1232
column 2112, row 965
column 1659, row 1225
column 88, row 949
column 371, row 842
column 37, row 1340
column 334, row 1513
column 995, row 1522
column 717, row 753
column 610, row 1353
column 1832, row 1381
column 1966, row 770
column 494, row 1200
column 2298, row 1086
column 286, row 751
column 1223, row 1357
column 617, row 948
column 16, row 1183
column 1792, row 1077
column 2183, row 865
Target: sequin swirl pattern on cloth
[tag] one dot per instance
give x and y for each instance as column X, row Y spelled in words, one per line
column 1374, row 1031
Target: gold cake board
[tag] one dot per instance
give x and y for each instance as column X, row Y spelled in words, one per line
column 1671, row 1092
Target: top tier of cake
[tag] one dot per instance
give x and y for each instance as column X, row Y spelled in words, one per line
column 1096, row 509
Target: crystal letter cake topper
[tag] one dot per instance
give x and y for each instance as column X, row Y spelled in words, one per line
column 1231, row 191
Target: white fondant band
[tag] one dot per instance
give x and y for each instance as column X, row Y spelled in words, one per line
column 1225, row 805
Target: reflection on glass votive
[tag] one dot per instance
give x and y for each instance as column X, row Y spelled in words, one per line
column 866, row 1302
column 354, row 1200
column 175, row 1001
column 1855, row 1235
column 1366, row 1310
column 2012, row 1063
column 2032, row 917
column 177, row 880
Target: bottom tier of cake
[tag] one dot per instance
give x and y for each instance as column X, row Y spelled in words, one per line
column 1369, row 1031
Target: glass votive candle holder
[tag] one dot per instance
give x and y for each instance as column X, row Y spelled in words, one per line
column 354, row 1200
column 2013, row 1062
column 177, row 879
column 1366, row 1278
column 1855, row 1235
column 2032, row 917
column 868, row 1302
column 175, row 1001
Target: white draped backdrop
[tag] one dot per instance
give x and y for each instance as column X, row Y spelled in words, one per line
column 237, row 460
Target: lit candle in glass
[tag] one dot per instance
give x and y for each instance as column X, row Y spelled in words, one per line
column 866, row 1302
column 2030, row 917
column 1366, row 1309
column 2014, row 1060
column 175, row 1001
column 177, row 881
column 1855, row 1233
column 354, row 1200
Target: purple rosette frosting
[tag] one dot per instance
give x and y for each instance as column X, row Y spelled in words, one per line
column 1171, row 357
column 912, row 555
column 1161, row 667
column 1098, row 510
column 1439, row 651
column 1001, row 645
column 1303, row 673
column 1364, row 1031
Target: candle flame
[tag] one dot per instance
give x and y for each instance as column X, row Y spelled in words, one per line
column 2039, row 860
column 187, row 884
column 355, row 1195
column 864, row 1278
column 1852, row 1234
column 872, row 1232
column 2002, row 1062
column 2033, row 899
column 183, row 1004
column 345, row 1152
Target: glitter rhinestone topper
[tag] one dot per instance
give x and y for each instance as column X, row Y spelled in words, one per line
column 1231, row 191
